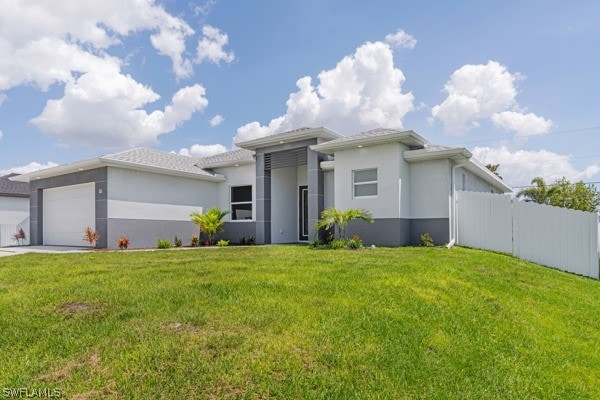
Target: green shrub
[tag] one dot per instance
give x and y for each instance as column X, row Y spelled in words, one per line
column 195, row 241
column 178, row 242
column 163, row 243
column 337, row 244
column 427, row 240
column 316, row 244
column 355, row 243
column 223, row 243
column 250, row 241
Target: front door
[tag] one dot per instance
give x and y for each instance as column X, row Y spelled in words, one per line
column 303, row 213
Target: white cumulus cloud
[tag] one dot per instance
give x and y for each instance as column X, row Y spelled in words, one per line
column 363, row 91
column 1, row 135
column 25, row 169
column 70, row 43
column 106, row 111
column 518, row 168
column 210, row 47
column 523, row 124
column 475, row 92
column 171, row 43
column 31, row 30
column 200, row 151
column 401, row 39
column 485, row 92
column 216, row 120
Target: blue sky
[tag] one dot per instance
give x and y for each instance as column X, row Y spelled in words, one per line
column 516, row 82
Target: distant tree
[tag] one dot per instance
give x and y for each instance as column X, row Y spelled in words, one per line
column 577, row 196
column 331, row 217
column 494, row 168
column 563, row 193
column 210, row 223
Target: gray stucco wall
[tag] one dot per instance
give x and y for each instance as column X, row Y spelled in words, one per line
column 438, row 228
column 389, row 232
column 234, row 231
column 472, row 183
column 144, row 233
column 393, row 232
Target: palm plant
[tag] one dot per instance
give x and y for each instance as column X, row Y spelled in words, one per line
column 211, row 222
column 540, row 193
column 331, row 217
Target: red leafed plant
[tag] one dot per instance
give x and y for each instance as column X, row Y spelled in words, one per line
column 123, row 243
column 90, row 236
column 20, row 236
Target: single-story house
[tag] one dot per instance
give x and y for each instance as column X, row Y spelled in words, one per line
column 14, row 209
column 275, row 187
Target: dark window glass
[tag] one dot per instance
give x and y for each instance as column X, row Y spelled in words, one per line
column 241, row 193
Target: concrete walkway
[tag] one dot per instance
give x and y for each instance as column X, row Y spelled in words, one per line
column 12, row 251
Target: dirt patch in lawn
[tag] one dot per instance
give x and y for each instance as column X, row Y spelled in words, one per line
column 181, row 327
column 79, row 307
column 91, row 361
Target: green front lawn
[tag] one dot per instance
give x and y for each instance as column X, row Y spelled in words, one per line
column 289, row 322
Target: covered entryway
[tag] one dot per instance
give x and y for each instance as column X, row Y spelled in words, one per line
column 67, row 211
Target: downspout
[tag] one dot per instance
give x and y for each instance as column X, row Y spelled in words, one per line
column 452, row 223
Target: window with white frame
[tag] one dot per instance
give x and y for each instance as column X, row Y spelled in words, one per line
column 365, row 182
column 241, row 203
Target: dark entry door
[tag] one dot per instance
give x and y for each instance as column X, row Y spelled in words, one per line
column 303, row 213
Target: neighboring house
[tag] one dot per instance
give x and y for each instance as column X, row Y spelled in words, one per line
column 275, row 186
column 14, row 209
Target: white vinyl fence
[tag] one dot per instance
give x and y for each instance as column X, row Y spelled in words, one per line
column 552, row 236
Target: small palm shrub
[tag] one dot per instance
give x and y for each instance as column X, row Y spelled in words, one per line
column 223, row 243
column 332, row 217
column 210, row 223
column 123, row 243
column 163, row 243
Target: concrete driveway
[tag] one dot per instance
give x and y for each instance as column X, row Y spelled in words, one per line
column 12, row 251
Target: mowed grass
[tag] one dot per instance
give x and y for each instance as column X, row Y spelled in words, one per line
column 289, row 322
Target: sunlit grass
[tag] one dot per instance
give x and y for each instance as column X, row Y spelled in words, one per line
column 288, row 322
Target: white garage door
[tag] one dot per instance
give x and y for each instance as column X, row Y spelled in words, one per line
column 68, row 210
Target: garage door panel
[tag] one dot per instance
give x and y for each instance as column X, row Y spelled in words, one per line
column 68, row 210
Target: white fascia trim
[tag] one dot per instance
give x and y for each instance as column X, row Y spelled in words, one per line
column 228, row 163
column 330, row 148
column 320, row 133
column 327, row 165
column 164, row 171
column 59, row 170
column 458, row 155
